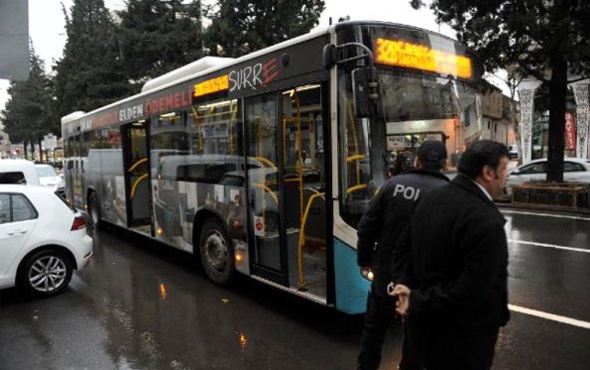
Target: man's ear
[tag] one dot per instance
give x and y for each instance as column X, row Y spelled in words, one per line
column 488, row 173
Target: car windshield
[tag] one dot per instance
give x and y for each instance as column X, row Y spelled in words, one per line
column 46, row 171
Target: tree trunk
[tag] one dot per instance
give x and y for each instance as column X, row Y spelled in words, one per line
column 41, row 149
column 557, row 96
column 25, row 149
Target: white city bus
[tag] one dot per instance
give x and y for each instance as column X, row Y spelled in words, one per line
column 263, row 165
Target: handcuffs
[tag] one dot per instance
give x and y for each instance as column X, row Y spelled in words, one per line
column 390, row 288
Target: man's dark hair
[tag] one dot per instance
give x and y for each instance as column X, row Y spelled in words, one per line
column 434, row 166
column 432, row 155
column 480, row 154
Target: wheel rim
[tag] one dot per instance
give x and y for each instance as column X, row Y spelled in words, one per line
column 216, row 251
column 47, row 274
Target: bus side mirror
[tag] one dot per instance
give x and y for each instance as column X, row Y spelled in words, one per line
column 329, row 56
column 365, row 92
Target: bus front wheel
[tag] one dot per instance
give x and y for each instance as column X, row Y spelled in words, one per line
column 217, row 254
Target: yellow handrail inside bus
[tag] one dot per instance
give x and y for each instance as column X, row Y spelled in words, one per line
column 134, row 166
column 298, row 120
column 266, row 161
column 268, row 190
column 299, row 152
column 301, row 241
column 231, row 127
column 136, row 183
column 198, row 127
column 299, row 160
column 352, row 120
column 355, row 157
column 354, row 188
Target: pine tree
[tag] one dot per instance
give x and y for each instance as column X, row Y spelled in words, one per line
column 240, row 26
column 158, row 36
column 28, row 114
column 549, row 40
column 90, row 74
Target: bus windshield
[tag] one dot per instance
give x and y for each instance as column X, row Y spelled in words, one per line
column 414, row 107
column 408, row 96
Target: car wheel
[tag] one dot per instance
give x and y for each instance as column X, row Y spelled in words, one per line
column 94, row 210
column 45, row 273
column 216, row 252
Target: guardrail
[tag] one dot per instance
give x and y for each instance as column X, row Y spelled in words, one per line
column 564, row 196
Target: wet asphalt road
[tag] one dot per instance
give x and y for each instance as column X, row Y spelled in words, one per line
column 139, row 305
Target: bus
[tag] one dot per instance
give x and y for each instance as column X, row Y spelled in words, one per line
column 263, row 165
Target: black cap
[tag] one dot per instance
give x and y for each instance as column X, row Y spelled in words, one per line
column 432, row 151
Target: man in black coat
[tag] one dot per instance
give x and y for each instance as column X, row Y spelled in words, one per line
column 378, row 231
column 454, row 257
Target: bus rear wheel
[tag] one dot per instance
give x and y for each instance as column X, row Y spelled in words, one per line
column 217, row 254
column 94, row 210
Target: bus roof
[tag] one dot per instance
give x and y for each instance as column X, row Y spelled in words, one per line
column 214, row 67
column 199, row 65
column 210, row 65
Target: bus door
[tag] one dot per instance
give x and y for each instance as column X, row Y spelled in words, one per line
column 286, row 188
column 73, row 169
column 137, row 182
column 268, row 246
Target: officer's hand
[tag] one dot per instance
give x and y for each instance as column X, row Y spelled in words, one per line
column 402, row 293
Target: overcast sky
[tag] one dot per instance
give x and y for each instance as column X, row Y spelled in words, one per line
column 46, row 22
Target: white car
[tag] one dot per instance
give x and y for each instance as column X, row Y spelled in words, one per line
column 18, row 171
column 48, row 177
column 42, row 240
column 574, row 170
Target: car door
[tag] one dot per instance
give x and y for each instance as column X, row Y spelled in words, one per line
column 532, row 172
column 574, row 172
column 17, row 221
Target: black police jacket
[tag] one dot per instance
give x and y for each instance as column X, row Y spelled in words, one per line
column 454, row 256
column 387, row 217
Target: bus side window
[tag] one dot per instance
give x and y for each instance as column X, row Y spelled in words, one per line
column 191, row 172
column 214, row 173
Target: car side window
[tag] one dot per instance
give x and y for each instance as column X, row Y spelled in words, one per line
column 4, row 208
column 534, row 168
column 572, row 167
column 22, row 209
column 16, row 207
column 12, row 178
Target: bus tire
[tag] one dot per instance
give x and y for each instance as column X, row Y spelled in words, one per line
column 94, row 210
column 217, row 255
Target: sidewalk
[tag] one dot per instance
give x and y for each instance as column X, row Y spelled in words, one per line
column 584, row 213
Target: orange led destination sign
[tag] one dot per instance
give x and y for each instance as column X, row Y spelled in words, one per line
column 211, row 86
column 406, row 54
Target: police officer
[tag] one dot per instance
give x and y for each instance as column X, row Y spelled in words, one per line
column 378, row 231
